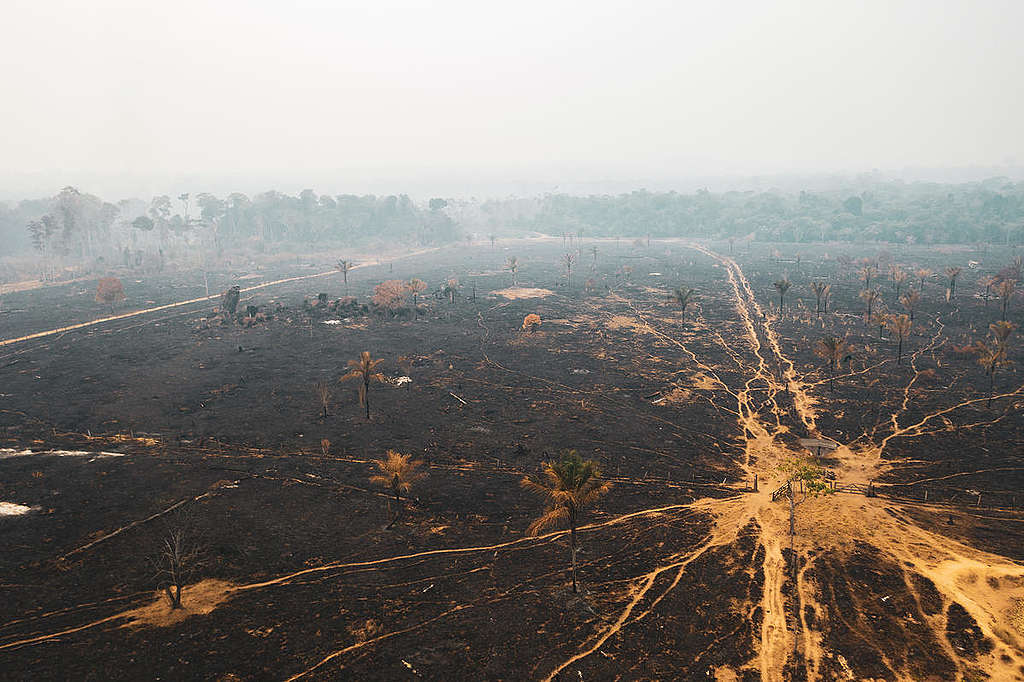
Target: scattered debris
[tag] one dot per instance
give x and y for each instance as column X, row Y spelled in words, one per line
column 12, row 509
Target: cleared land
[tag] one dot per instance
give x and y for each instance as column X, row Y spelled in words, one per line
column 686, row 573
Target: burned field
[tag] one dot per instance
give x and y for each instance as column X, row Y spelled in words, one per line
column 685, row 572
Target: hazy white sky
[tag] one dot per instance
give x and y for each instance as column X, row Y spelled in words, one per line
column 446, row 89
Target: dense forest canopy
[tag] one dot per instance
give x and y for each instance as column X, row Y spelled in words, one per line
column 75, row 225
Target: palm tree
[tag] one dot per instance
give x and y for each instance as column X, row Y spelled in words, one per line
column 832, row 350
column 995, row 353
column 344, row 266
column 782, row 286
column 1005, row 294
column 363, row 369
column 1001, row 331
column 568, row 260
column 322, row 391
column 870, row 297
column 922, row 274
column 866, row 273
column 909, row 301
column 512, row 265
column 952, row 273
column 451, row 287
column 416, row 286
column 898, row 278
column 683, row 297
column 398, row 472
column 900, row 326
column 880, row 318
column 821, row 291
column 568, row 486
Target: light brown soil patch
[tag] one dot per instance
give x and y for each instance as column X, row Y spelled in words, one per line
column 196, row 600
column 513, row 293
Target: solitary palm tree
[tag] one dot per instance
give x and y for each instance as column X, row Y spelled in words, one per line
column 900, row 326
column 880, row 318
column 568, row 260
column 512, row 265
column 1005, row 294
column 821, row 291
column 993, row 354
column 398, row 472
column 344, row 266
column 568, row 486
column 898, row 278
column 952, row 273
column 909, row 301
column 683, row 297
column 832, row 350
column 870, row 297
column 782, row 286
column 922, row 274
column 363, row 369
column 866, row 273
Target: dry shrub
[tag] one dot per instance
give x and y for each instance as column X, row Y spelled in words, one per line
column 391, row 295
column 109, row 290
column 531, row 322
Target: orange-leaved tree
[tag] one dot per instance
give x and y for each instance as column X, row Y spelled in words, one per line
column 398, row 473
column 109, row 290
column 531, row 322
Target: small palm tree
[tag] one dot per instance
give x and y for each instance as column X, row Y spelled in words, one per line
column 909, row 301
column 832, row 350
column 1005, row 292
column 512, row 265
column 568, row 260
column 993, row 354
column 363, row 369
column 683, row 297
column 900, row 326
column 866, row 273
column 898, row 278
column 398, row 473
column 821, row 291
column 880, row 318
column 451, row 287
column 322, row 391
column 782, row 286
column 568, row 486
column 344, row 266
column 952, row 273
column 870, row 298
column 922, row 274
column 416, row 286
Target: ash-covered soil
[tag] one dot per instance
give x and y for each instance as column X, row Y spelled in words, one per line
column 685, row 573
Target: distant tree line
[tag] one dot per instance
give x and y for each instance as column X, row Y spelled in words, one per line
column 992, row 211
column 80, row 226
